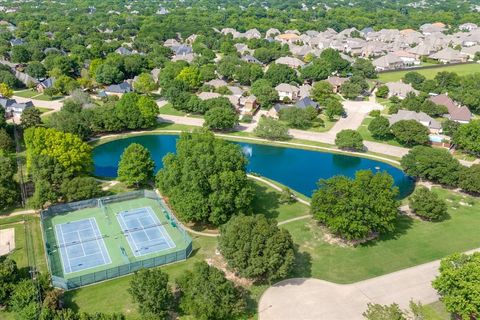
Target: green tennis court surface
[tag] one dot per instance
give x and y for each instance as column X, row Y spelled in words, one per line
column 99, row 239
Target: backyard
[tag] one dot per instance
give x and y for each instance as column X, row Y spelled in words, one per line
column 429, row 73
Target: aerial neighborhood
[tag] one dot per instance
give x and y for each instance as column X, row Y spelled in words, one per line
column 216, row 159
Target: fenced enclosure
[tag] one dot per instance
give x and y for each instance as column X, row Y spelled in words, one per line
column 122, row 258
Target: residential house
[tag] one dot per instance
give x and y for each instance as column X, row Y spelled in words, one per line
column 248, row 105
column 399, row 89
column 242, row 48
column 304, row 90
column 171, row 43
column 470, row 51
column 286, row 90
column 389, row 61
column 47, row 83
column 272, row 32
column 208, row 95
column 251, row 59
column 13, row 108
column 118, row 89
column 433, row 125
column 455, row 112
column 449, row 55
column 287, row 38
column 155, row 74
column 291, row 62
column 408, row 58
column 252, row 34
column 17, row 42
column 184, row 57
column 123, row 51
column 217, row 83
column 468, row 26
column 306, row 102
column 336, row 82
column 431, row 28
column 181, row 50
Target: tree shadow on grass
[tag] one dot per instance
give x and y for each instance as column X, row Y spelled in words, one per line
column 402, row 225
column 302, row 267
column 265, row 201
column 67, row 300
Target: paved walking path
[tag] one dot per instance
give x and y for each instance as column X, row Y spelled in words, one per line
column 309, row 299
column 18, row 213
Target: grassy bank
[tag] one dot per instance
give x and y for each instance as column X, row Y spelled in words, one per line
column 430, row 73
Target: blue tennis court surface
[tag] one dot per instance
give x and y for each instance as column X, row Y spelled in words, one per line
column 144, row 232
column 81, row 245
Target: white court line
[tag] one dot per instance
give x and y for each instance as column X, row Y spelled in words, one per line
column 102, row 242
column 130, row 240
column 64, row 248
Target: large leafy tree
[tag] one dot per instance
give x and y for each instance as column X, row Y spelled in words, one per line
column 69, row 150
column 136, row 166
column 356, row 208
column 8, row 277
column 264, row 92
column 427, row 204
column 30, row 118
column 321, row 91
column 469, row 178
column 81, row 188
column 458, row 284
column 151, row 290
column 280, row 73
column 206, row 294
column 220, row 118
column 349, row 139
column 9, row 190
column 272, row 129
column 410, row 132
column 6, row 142
column 467, row 137
column 296, row 117
column 333, row 108
column 206, row 180
column 433, row 164
column 379, row 127
column 256, row 248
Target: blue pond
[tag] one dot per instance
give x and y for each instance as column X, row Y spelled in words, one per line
column 296, row 168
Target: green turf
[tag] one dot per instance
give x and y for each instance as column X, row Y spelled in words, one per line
column 168, row 109
column 26, row 93
column 414, row 242
column 113, row 237
column 429, row 73
column 43, row 110
column 436, row 311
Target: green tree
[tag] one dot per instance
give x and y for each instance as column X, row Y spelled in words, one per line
column 271, row 129
column 150, row 289
column 256, row 248
column 333, row 108
column 6, row 142
column 450, row 127
column 69, row 150
column 433, row 164
column 5, row 90
column 321, row 91
column 280, row 73
column 467, row 137
column 379, row 127
column 414, row 78
column 81, row 188
column 410, row 132
column 8, row 277
column 315, row 71
column 264, row 92
column 136, row 166
column 349, row 139
column 206, row 180
column 145, row 83
column 383, row 312
column 427, row 204
column 458, row 284
column 206, row 294
column 220, row 118
column 9, row 189
column 20, row 54
column 356, row 208
column 364, row 68
column 36, row 70
column 24, row 300
column 108, row 73
column 30, row 118
column 382, row 92
column 469, row 178
column 296, row 117
column 149, row 111
column 191, row 76
column 350, row 90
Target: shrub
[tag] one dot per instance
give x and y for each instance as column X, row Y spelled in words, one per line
column 428, row 205
column 349, row 139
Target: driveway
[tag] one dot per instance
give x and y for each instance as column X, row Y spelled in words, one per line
column 309, row 299
column 55, row 104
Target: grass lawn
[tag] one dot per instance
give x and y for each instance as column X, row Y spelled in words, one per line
column 44, row 97
column 26, row 93
column 436, row 311
column 43, row 110
column 327, row 125
column 363, row 129
column 429, row 73
column 414, row 242
column 170, row 110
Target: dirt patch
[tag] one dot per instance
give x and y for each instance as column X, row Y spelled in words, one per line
column 7, row 241
column 219, row 262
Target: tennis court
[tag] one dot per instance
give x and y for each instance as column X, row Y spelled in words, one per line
column 81, row 245
column 144, row 231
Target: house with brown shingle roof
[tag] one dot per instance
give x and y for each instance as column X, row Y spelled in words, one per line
column 455, row 112
column 336, row 82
